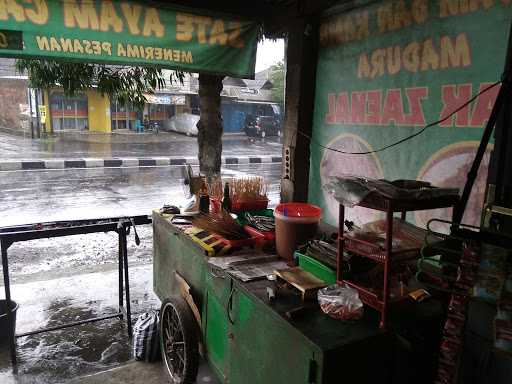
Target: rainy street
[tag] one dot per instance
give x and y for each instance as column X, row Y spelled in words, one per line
column 125, row 144
column 73, row 278
column 43, row 196
column 115, row 147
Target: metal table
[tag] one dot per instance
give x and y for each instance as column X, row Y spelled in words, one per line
column 120, row 225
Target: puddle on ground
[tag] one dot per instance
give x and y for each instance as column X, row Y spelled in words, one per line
column 62, row 355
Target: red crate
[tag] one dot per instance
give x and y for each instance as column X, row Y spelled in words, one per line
column 267, row 235
column 241, row 206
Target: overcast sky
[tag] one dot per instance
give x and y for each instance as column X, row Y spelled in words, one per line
column 269, row 53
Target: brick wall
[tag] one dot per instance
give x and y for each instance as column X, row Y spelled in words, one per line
column 13, row 101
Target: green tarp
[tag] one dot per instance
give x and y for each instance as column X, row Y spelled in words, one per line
column 128, row 32
column 388, row 68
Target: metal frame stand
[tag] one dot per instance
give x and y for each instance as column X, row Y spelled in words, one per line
column 501, row 104
column 11, row 235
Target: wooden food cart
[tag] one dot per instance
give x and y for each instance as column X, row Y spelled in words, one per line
column 246, row 337
column 249, row 340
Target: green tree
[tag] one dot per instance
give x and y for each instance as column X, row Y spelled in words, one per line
column 127, row 84
column 277, row 76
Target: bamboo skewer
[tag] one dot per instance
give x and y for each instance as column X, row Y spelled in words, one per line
column 242, row 189
column 222, row 224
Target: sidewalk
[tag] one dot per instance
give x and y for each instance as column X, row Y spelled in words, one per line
column 123, row 136
column 114, row 162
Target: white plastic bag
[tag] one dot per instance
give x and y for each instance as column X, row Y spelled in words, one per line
column 340, row 302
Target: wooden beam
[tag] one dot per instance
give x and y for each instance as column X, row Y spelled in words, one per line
column 301, row 59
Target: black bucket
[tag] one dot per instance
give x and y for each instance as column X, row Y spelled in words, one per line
column 4, row 329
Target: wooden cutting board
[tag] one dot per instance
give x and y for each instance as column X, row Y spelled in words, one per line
column 304, row 281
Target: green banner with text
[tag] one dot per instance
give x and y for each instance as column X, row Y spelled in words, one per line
column 129, row 33
column 385, row 70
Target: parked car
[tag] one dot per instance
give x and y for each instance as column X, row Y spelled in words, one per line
column 262, row 126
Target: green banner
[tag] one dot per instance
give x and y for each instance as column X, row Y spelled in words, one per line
column 128, row 32
column 385, row 70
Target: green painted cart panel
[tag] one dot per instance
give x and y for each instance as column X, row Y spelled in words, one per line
column 249, row 340
column 216, row 325
column 266, row 350
column 216, row 334
column 172, row 252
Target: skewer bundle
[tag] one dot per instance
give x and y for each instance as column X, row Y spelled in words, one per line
column 242, row 189
column 222, row 224
column 261, row 223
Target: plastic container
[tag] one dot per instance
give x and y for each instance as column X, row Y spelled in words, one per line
column 296, row 223
column 316, row 268
column 4, row 329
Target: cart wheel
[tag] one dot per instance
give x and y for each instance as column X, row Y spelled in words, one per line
column 178, row 341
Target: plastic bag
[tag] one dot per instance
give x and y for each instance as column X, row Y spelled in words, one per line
column 340, row 302
column 351, row 190
column 146, row 342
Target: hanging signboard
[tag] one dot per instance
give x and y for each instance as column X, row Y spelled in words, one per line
column 165, row 99
column 387, row 69
column 42, row 114
column 128, row 32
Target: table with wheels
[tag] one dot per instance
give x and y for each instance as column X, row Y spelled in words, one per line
column 245, row 337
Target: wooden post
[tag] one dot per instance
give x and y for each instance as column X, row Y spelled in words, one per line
column 301, row 59
column 209, row 127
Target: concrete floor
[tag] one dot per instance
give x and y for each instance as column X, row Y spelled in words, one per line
column 91, row 353
column 137, row 372
column 133, row 372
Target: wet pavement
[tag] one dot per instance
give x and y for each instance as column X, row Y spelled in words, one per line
column 32, row 196
column 127, row 145
column 56, row 280
column 59, row 356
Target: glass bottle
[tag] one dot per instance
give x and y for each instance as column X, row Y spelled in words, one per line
column 204, row 198
column 226, row 200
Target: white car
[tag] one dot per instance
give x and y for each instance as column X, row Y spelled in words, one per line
column 183, row 123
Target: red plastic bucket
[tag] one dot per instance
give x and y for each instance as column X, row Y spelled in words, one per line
column 296, row 223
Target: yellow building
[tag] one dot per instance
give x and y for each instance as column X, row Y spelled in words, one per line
column 85, row 111
column 94, row 112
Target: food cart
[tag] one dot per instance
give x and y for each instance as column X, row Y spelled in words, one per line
column 257, row 330
column 246, row 337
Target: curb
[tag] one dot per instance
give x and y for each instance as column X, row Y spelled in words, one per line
column 25, row 165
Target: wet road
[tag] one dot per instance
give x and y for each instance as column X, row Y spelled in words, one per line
column 34, row 196
column 127, row 145
column 39, row 196
column 63, row 279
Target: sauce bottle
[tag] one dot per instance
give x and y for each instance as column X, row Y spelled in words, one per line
column 204, row 198
column 226, row 200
